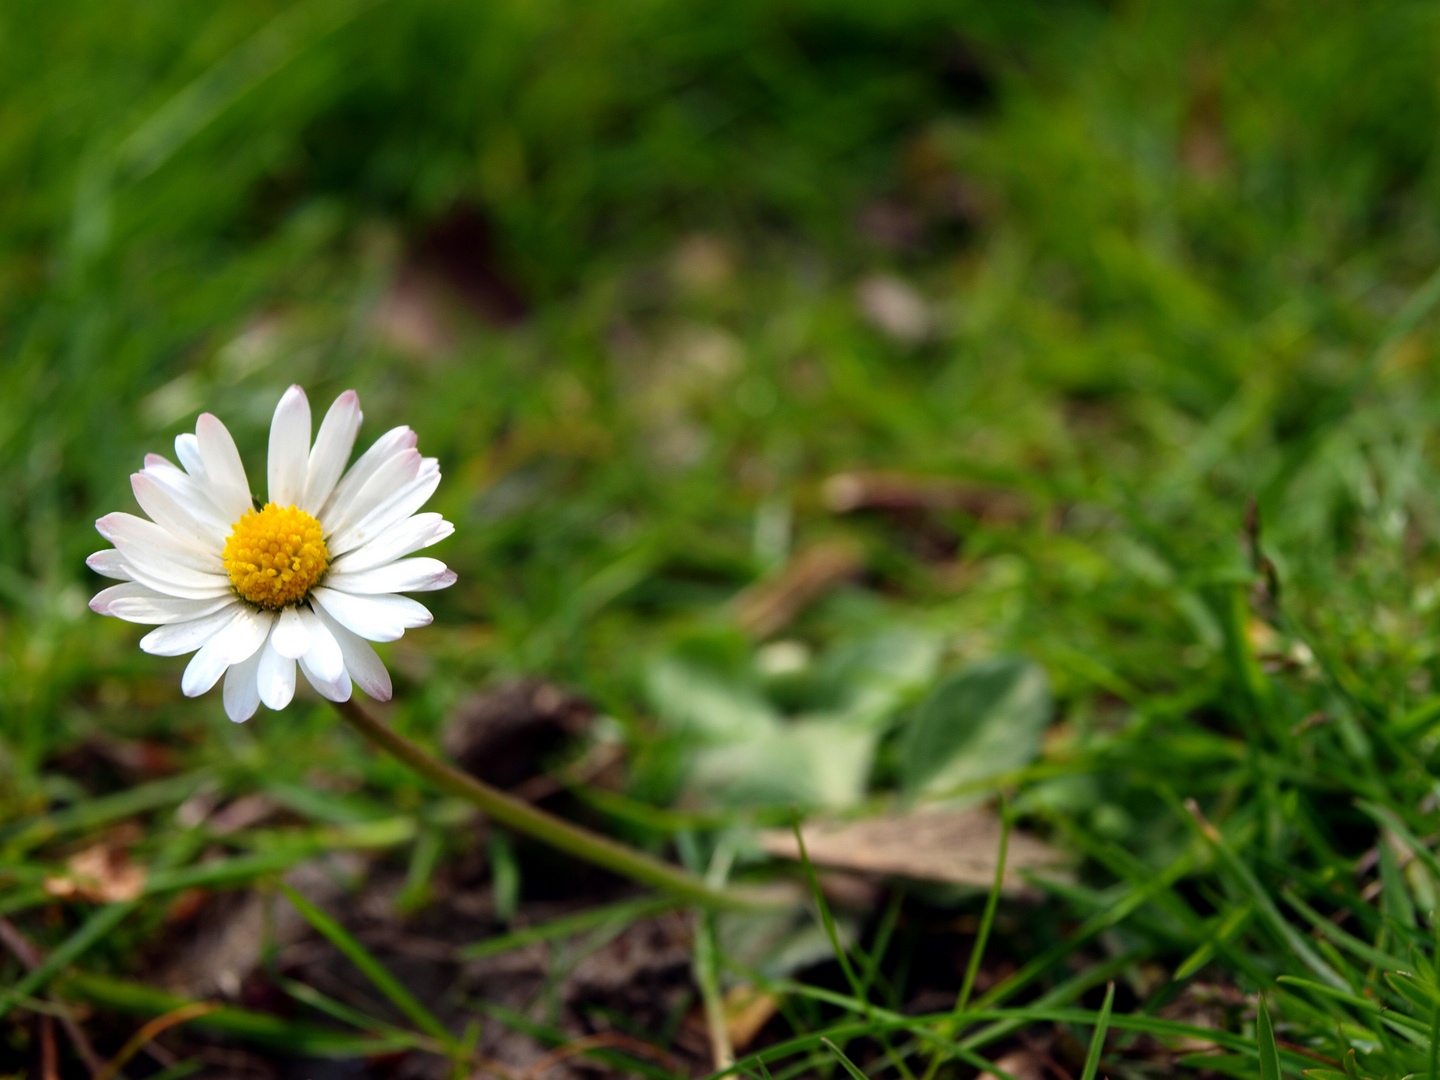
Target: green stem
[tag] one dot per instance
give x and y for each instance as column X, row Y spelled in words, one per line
column 522, row 817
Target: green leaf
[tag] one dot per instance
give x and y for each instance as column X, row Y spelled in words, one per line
column 707, row 689
column 811, row 763
column 986, row 720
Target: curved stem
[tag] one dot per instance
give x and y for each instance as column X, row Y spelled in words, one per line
column 558, row 833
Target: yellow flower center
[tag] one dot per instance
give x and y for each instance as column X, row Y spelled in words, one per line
column 274, row 557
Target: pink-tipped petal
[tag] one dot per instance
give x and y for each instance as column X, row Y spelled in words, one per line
column 140, row 540
column 406, row 575
column 397, row 471
column 223, row 466
column 410, row 535
column 187, row 449
column 388, row 514
column 182, row 520
column 361, row 661
column 110, row 563
column 323, row 657
column 331, row 451
column 377, row 618
column 393, row 442
column 289, row 448
column 139, row 603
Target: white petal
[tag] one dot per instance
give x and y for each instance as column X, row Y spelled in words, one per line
column 336, row 689
column 137, row 538
column 291, row 637
column 187, row 449
column 392, row 475
column 289, row 449
column 407, row 575
column 177, row 639
column 324, row 664
column 361, row 661
column 242, row 690
column 172, row 578
column 389, row 513
column 110, row 563
column 223, row 466
column 386, row 446
column 379, row 618
column 183, row 522
column 412, row 534
column 331, row 450
column 323, row 657
column 138, row 603
column 275, row 677
column 231, row 645
column 194, row 494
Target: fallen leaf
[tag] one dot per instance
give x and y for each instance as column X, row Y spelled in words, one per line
column 958, row 847
column 1020, row 1064
column 747, row 1010
column 102, row 874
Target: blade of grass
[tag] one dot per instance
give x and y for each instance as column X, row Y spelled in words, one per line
column 303, row 1040
column 372, row 969
column 1263, row 903
column 570, row 925
column 1265, row 1042
column 1097, row 1040
column 987, row 919
column 92, row 813
column 706, row 968
column 982, row 936
column 308, row 995
column 828, row 921
column 99, row 926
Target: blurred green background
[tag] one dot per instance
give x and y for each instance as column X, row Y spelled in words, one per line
column 646, row 276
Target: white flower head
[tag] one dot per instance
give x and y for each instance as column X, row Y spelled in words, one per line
column 312, row 577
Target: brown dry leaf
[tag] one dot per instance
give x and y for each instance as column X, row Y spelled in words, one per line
column 954, row 846
column 102, row 874
column 1021, row 1064
column 768, row 605
column 747, row 1010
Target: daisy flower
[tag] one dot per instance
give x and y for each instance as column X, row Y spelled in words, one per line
column 310, row 578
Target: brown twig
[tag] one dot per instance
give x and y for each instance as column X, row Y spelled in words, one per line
column 769, row 605
column 153, row 1029
column 49, row 1067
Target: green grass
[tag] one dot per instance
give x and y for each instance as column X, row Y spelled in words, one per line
column 1194, row 272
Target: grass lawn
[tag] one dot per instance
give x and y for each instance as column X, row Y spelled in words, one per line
column 851, row 411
